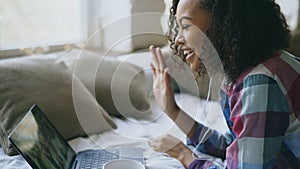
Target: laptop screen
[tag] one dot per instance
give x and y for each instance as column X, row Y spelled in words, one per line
column 40, row 143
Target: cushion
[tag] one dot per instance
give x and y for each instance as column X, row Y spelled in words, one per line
column 118, row 86
column 49, row 84
column 294, row 44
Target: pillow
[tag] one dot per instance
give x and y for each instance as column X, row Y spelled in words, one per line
column 118, row 86
column 50, row 85
column 294, row 44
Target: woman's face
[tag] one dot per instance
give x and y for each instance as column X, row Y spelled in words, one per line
column 193, row 20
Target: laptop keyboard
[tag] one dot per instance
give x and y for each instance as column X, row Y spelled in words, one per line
column 96, row 159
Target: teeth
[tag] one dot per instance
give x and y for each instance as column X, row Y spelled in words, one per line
column 186, row 52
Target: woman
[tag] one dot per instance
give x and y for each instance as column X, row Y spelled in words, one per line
column 260, row 93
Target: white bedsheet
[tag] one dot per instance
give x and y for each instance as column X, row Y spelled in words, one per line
column 133, row 133
column 130, row 133
column 120, row 138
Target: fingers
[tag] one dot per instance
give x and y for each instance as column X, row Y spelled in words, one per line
column 153, row 70
column 161, row 60
column 158, row 58
column 166, row 77
column 164, row 140
column 167, row 143
column 152, row 50
column 155, row 144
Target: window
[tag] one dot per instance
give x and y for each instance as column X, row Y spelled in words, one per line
column 32, row 23
column 290, row 10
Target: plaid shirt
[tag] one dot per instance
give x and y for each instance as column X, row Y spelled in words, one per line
column 262, row 111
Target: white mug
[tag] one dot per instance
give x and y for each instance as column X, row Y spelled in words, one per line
column 123, row 164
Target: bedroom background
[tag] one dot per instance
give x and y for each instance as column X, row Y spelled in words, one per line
column 93, row 55
column 38, row 26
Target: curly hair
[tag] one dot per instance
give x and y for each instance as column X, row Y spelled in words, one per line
column 244, row 32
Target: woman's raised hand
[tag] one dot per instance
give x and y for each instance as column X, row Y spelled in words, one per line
column 162, row 89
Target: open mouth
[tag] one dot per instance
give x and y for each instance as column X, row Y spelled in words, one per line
column 188, row 54
column 185, row 52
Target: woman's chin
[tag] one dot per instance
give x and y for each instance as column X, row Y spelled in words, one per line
column 194, row 68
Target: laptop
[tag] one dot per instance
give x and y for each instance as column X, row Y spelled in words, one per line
column 43, row 147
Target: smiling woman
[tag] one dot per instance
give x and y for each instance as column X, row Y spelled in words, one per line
column 258, row 94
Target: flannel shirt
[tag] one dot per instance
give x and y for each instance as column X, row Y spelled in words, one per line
column 262, row 111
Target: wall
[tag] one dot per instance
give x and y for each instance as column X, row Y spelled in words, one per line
column 125, row 25
column 146, row 23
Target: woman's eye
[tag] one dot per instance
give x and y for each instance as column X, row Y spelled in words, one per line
column 185, row 26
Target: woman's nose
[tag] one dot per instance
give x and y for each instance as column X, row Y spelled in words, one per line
column 179, row 39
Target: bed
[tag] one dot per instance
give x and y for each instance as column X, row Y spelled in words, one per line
column 135, row 130
column 116, row 138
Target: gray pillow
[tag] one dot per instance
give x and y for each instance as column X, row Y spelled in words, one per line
column 50, row 85
column 119, row 87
